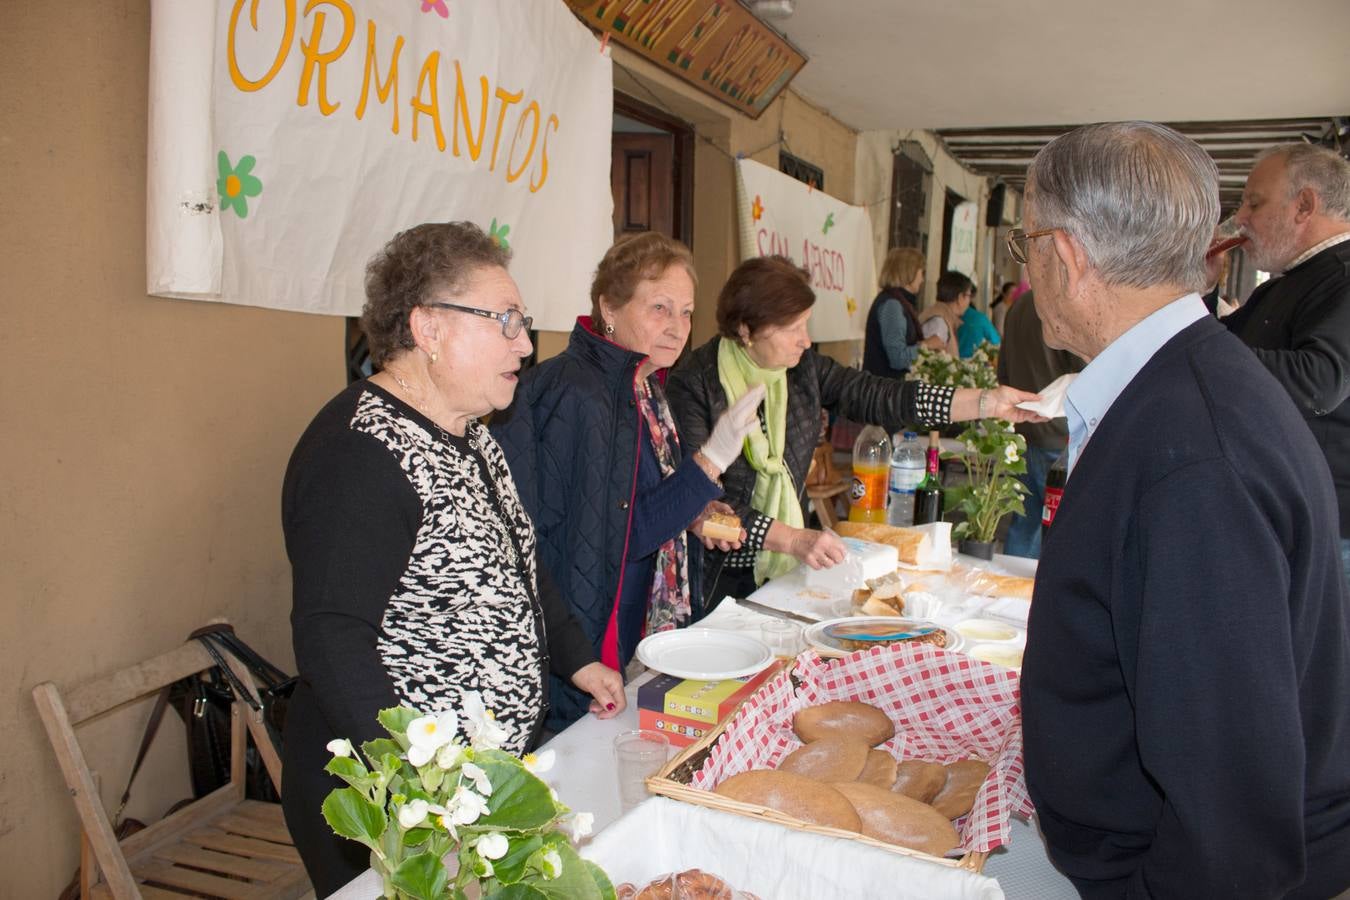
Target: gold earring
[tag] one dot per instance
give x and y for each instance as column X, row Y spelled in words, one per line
column 609, row 329
column 435, row 356
column 749, row 343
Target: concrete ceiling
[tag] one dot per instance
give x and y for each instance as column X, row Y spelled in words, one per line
column 898, row 64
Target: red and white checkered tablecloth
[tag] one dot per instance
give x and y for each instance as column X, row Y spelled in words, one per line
column 945, row 706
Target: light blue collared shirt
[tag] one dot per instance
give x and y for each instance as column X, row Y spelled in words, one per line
column 1090, row 396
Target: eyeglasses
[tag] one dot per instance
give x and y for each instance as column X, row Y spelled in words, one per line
column 1017, row 242
column 513, row 320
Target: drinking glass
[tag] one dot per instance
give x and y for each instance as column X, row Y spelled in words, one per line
column 784, row 638
column 1227, row 235
column 639, row 754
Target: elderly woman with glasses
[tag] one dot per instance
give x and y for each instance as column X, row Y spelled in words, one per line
column 414, row 563
column 613, row 488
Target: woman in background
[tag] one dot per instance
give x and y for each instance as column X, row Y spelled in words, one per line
column 413, row 561
column 893, row 335
column 943, row 319
column 612, row 487
column 763, row 343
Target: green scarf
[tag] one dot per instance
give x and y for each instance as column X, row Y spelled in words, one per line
column 774, row 494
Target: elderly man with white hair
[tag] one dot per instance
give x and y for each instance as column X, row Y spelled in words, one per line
column 1187, row 732
column 1296, row 217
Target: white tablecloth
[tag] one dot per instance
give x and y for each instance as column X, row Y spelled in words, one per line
column 584, row 779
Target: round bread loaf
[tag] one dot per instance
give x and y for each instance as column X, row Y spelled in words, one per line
column 957, row 796
column 844, row 718
column 897, row 819
column 919, row 779
column 828, row 759
column 879, row 769
column 793, row 795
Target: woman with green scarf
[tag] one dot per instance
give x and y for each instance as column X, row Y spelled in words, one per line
column 762, row 316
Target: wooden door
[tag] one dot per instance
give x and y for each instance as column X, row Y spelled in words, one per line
column 642, row 178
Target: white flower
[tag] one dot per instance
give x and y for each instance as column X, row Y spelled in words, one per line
column 551, row 864
column 479, row 779
column 484, row 868
column 580, row 825
column 413, row 813
column 429, row 734
column 482, row 728
column 1010, row 454
column 447, row 756
column 538, row 763
column 466, row 806
column 340, row 747
column 492, row 846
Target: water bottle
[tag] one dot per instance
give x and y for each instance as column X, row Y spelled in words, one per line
column 907, row 466
column 871, row 471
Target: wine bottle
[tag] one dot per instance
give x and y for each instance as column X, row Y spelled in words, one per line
column 928, row 495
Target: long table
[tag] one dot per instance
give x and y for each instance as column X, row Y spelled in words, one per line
column 584, row 779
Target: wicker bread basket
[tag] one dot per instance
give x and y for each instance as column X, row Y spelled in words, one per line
column 677, row 779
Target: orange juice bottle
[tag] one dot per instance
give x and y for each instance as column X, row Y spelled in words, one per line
column 871, row 475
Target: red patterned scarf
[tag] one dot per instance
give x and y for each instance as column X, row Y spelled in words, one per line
column 668, row 602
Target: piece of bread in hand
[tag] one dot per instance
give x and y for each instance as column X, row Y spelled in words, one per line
column 722, row 527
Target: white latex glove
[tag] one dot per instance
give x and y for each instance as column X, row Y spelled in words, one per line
column 728, row 434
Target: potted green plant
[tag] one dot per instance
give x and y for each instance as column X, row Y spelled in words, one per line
column 993, row 455
column 446, row 820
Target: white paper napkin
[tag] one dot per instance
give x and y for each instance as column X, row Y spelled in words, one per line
column 1051, row 404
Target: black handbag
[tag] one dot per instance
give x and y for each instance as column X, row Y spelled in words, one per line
column 203, row 702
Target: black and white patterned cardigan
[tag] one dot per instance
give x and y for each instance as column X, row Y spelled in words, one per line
column 414, row 571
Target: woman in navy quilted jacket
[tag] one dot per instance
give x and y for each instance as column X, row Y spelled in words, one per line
column 592, row 445
column 762, row 316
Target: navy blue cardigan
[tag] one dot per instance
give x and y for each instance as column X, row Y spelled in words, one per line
column 1186, row 725
column 582, row 461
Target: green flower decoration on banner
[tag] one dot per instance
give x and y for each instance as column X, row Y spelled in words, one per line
column 236, row 184
column 829, row 223
column 498, row 233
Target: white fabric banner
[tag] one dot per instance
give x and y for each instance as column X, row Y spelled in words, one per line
column 965, row 222
column 833, row 240
column 289, row 141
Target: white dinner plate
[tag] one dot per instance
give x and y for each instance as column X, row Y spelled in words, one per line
column 816, row 637
column 707, row 654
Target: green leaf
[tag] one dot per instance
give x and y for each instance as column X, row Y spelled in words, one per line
column 519, row 799
column 396, row 720
column 351, row 771
column 575, row 882
column 375, row 750
column 422, row 877
column 351, row 815
column 602, row 882
column 516, row 892
column 511, row 867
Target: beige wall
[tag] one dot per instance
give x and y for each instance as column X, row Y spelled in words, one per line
column 144, row 439
column 874, row 154
column 807, row 132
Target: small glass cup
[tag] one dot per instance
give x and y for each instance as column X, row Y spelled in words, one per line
column 639, row 754
column 783, row 637
column 1227, row 235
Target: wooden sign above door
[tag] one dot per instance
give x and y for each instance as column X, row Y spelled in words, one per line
column 715, row 45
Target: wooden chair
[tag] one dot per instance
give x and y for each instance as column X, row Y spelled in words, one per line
column 221, row 845
column 825, row 484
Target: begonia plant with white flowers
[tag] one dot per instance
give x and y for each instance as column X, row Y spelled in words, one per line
column 442, row 815
column 994, row 455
